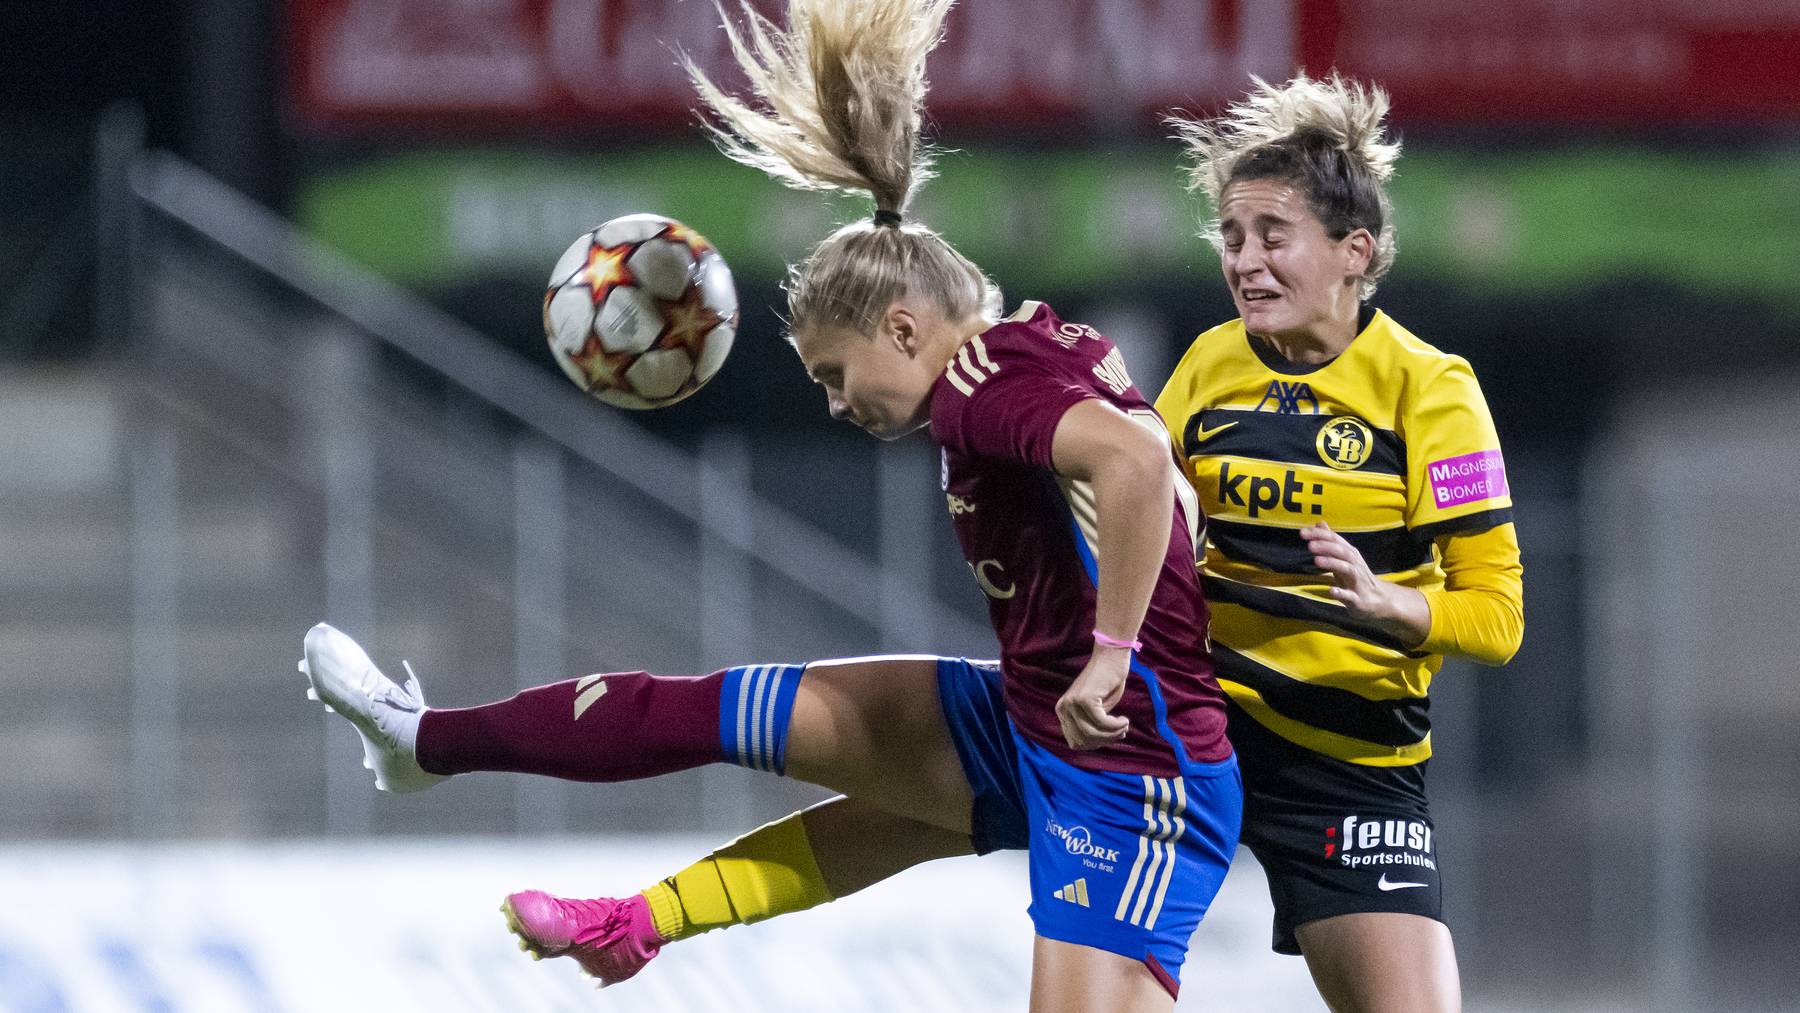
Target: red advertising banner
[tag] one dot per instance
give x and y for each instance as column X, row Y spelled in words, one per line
column 1634, row 62
column 498, row 66
column 489, row 65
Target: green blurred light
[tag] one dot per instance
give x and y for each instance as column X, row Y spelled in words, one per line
column 1538, row 222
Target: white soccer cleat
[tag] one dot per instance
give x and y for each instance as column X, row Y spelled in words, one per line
column 386, row 716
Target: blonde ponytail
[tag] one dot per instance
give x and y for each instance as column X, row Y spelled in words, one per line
column 840, row 92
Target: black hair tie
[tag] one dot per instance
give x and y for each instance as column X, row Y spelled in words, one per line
column 889, row 218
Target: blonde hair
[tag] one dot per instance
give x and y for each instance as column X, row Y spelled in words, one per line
column 1328, row 136
column 841, row 88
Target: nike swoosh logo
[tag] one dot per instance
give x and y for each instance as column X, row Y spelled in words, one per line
column 1202, row 435
column 1385, row 885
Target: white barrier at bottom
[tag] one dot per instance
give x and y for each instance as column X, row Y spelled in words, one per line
column 414, row 926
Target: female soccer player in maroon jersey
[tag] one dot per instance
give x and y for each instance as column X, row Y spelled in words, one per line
column 1097, row 743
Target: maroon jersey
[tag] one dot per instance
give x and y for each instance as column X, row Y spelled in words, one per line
column 1029, row 536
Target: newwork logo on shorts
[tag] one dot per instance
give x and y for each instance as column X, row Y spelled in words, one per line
column 1080, row 841
column 1359, row 842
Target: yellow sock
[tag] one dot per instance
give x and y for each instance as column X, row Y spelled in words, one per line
column 766, row 872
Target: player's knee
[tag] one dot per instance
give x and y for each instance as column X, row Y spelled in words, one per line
column 1382, row 962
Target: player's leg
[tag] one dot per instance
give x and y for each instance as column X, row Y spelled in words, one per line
column 1071, row 978
column 873, row 727
column 1351, row 859
column 947, row 787
column 880, row 730
column 825, row 852
column 856, row 844
column 1379, row 961
column 793, row 864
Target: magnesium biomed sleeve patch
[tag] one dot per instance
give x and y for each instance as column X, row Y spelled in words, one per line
column 1467, row 479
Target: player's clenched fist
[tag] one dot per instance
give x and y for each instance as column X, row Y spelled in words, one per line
column 1085, row 711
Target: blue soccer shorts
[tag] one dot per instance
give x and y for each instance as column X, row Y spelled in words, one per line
column 1126, row 863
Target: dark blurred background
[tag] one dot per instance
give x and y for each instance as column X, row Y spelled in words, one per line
column 270, row 351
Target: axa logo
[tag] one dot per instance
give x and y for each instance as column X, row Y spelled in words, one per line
column 1258, row 494
column 1288, row 398
column 1080, row 841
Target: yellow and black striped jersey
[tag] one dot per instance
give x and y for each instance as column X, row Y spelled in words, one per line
column 1390, row 443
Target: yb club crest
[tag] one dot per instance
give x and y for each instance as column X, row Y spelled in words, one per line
column 1345, row 443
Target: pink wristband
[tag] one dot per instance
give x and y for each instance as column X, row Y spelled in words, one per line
column 1125, row 645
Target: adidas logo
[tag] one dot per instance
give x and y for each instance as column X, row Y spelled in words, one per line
column 587, row 690
column 1074, row 893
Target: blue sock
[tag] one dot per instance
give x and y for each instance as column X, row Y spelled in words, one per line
column 755, row 704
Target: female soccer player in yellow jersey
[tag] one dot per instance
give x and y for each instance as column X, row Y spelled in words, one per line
column 1359, row 528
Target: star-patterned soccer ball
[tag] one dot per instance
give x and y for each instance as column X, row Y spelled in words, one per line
column 641, row 311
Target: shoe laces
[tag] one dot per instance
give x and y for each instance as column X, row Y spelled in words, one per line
column 398, row 699
column 598, row 921
column 409, row 698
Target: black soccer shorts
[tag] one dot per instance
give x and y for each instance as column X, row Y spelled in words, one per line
column 1334, row 838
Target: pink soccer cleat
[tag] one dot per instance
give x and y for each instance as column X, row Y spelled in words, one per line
column 612, row 939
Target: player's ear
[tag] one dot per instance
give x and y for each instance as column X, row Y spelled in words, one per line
column 900, row 327
column 1359, row 252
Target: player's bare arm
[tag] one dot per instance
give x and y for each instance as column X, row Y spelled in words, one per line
column 1128, row 466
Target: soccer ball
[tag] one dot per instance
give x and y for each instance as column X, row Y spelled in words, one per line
column 640, row 311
